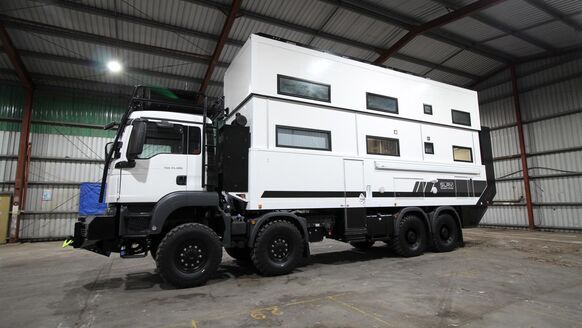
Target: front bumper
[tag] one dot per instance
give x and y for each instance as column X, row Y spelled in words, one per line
column 96, row 234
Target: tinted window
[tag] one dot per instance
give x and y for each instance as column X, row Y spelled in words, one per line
column 193, row 140
column 428, row 148
column 427, row 109
column 303, row 138
column 383, row 103
column 382, row 146
column 291, row 86
column 462, row 118
column 462, row 154
column 162, row 139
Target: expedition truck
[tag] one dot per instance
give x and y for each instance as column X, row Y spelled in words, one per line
column 305, row 146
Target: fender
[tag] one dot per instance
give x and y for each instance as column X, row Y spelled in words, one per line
column 262, row 220
column 455, row 215
column 416, row 210
column 176, row 200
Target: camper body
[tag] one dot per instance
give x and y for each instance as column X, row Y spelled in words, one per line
column 310, row 146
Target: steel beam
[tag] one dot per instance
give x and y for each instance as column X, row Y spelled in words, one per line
column 499, row 25
column 92, row 10
column 541, row 5
column 382, row 14
column 23, row 146
column 94, row 63
column 435, row 23
column 220, row 44
column 40, row 28
column 522, row 151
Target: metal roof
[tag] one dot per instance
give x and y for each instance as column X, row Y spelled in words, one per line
column 66, row 43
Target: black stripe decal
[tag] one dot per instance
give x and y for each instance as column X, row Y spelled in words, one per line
column 422, row 189
column 310, row 194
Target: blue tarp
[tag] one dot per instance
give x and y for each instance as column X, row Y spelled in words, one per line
column 89, row 199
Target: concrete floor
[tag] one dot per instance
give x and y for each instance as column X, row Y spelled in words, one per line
column 502, row 278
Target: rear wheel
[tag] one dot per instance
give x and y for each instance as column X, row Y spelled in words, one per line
column 278, row 248
column 189, row 255
column 363, row 245
column 412, row 237
column 240, row 254
column 446, row 234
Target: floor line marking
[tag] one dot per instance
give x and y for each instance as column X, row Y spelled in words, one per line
column 354, row 308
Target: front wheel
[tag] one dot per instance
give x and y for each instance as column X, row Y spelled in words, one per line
column 278, row 248
column 189, row 255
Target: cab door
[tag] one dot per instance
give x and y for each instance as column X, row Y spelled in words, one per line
column 161, row 168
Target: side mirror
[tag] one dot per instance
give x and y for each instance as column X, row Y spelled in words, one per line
column 136, row 140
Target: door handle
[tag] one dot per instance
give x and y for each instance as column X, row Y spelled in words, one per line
column 181, row 180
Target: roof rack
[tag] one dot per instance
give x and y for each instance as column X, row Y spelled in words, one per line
column 164, row 99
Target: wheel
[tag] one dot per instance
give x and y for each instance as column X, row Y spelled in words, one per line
column 411, row 239
column 240, row 254
column 278, row 248
column 189, row 255
column 363, row 245
column 446, row 234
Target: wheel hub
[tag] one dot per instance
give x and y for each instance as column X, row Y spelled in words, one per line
column 411, row 236
column 191, row 256
column 445, row 233
column 279, row 250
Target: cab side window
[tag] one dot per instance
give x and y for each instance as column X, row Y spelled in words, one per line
column 163, row 138
column 194, row 140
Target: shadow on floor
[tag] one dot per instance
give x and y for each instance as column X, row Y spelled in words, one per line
column 235, row 269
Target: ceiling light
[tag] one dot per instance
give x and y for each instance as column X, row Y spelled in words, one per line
column 114, row 66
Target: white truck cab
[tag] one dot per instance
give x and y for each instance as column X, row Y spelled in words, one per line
column 170, row 159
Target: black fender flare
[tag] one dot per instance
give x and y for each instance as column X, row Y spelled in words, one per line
column 300, row 222
column 415, row 210
column 176, row 200
column 449, row 209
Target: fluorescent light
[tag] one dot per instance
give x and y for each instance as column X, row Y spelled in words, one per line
column 114, row 66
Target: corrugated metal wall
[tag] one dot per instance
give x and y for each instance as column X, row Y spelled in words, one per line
column 551, row 104
column 67, row 149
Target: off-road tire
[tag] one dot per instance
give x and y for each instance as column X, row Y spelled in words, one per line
column 446, row 235
column 278, row 238
column 181, row 240
column 412, row 237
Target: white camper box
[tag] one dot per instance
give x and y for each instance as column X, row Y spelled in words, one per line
column 331, row 132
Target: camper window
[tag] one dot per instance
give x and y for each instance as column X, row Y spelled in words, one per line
column 382, row 103
column 292, row 137
column 427, row 109
column 162, row 139
column 429, row 148
column 382, row 146
column 462, row 154
column 291, row 86
column 462, row 118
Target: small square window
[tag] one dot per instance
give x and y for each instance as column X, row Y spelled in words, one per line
column 427, row 109
column 428, row 148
